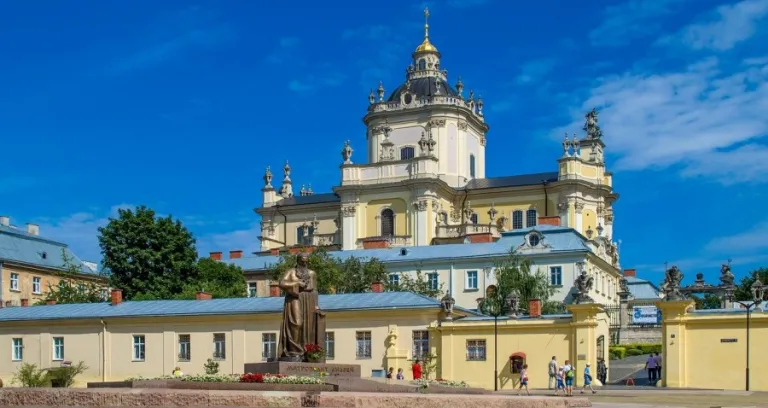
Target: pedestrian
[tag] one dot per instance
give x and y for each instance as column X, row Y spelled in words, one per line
column 523, row 380
column 650, row 366
column 570, row 374
column 416, row 370
column 560, row 380
column 552, row 373
column 587, row 380
column 390, row 373
column 602, row 371
column 658, row 366
column 400, row 374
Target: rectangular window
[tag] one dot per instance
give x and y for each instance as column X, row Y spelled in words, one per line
column 556, row 276
column 420, row 344
column 330, row 346
column 14, row 281
column 517, row 219
column 251, row 289
column 36, row 286
column 407, row 153
column 433, row 281
column 268, row 346
column 185, row 347
column 58, row 348
column 139, row 346
column 363, row 345
column 219, row 346
column 471, row 280
column 394, row 279
column 18, row 349
column 472, row 165
column 475, row 350
column 531, row 218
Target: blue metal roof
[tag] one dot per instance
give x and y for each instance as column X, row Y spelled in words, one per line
column 257, row 305
column 561, row 239
column 642, row 289
column 24, row 248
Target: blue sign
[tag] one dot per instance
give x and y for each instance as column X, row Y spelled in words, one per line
column 646, row 315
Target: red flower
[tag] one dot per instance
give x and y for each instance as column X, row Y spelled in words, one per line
column 313, row 348
column 252, row 378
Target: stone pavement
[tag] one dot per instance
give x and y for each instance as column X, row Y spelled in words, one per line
column 627, row 397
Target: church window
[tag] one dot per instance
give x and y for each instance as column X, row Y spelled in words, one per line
column 531, row 218
column 473, row 219
column 407, row 153
column 517, row 219
column 472, row 165
column 422, row 65
column 387, row 223
column 301, row 239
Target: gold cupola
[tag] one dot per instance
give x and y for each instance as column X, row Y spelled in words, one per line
column 426, row 46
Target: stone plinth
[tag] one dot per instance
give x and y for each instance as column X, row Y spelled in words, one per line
column 303, row 369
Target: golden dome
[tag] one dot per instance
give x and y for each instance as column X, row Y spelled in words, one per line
column 426, row 46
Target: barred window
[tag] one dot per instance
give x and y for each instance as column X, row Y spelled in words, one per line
column 185, row 347
column 475, row 350
column 268, row 346
column 531, row 218
column 517, row 219
column 219, row 346
column 407, row 153
column 330, row 346
column 387, row 223
column 363, row 345
column 420, row 344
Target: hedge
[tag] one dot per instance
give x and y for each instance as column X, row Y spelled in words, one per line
column 644, row 348
column 634, row 352
column 617, row 352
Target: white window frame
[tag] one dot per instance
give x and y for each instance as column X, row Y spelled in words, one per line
column 253, row 289
column 185, row 347
column 139, row 349
column 57, row 344
column 268, row 346
column 17, row 349
column 420, row 347
column 436, row 284
column 219, row 346
column 363, row 345
column 394, row 279
column 527, row 215
column 470, row 275
column 37, row 285
column 477, row 350
column 522, row 219
column 552, row 269
column 15, row 282
column 330, row 345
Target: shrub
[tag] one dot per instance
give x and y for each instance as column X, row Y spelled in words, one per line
column 617, row 352
column 634, row 352
column 211, row 367
column 28, row 375
column 645, row 348
column 65, row 376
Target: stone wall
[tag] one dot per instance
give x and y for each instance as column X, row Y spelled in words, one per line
column 632, row 335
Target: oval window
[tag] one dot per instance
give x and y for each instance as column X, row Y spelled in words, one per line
column 533, row 240
column 408, row 99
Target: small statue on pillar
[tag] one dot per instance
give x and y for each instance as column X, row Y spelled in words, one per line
column 671, row 285
column 726, row 277
column 584, row 284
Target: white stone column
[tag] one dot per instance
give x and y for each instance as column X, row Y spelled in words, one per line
column 579, row 207
column 563, row 212
column 420, row 233
column 349, row 227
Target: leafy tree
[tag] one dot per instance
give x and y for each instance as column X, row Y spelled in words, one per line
column 353, row 275
column 321, row 261
column 221, row 280
column 744, row 289
column 72, row 289
column 147, row 254
column 708, row 301
column 514, row 274
column 417, row 283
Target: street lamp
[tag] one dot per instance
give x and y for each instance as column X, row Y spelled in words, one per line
column 494, row 305
column 757, row 297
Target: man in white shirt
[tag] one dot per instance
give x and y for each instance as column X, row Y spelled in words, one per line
column 553, row 373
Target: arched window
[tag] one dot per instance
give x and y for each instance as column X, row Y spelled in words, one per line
column 531, row 218
column 422, row 65
column 473, row 218
column 472, row 165
column 517, row 220
column 407, row 153
column 387, row 223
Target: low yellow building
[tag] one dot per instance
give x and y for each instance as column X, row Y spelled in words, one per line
column 708, row 348
column 30, row 264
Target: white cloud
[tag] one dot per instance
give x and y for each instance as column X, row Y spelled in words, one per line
column 731, row 25
column 245, row 240
column 627, row 21
column 532, row 72
column 750, row 241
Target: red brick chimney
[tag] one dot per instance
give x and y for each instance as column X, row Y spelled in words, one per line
column 551, row 220
column 50, row 302
column 534, row 308
column 377, row 287
column 24, row 302
column 216, row 256
column 274, row 290
column 480, row 238
column 630, row 272
column 203, row 296
column 236, row 254
column 117, row 297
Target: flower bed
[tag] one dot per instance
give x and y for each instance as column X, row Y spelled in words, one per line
column 424, row 383
column 245, row 378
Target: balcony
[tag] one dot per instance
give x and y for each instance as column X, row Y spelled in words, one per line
column 384, row 241
column 325, row 239
column 461, row 230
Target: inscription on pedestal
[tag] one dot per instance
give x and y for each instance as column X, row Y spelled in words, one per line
column 303, row 369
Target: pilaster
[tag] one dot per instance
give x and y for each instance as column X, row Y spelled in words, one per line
column 395, row 357
column 420, row 213
column 584, row 339
column 578, row 207
column 562, row 208
column 673, row 341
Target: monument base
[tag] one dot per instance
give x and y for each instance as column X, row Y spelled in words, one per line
column 303, row 369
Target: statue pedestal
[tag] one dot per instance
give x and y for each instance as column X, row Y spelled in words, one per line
column 303, row 369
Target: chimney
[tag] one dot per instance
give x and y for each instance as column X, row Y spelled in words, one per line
column 33, row 229
column 216, row 256
column 203, row 296
column 377, row 287
column 24, row 302
column 8, row 303
column 117, row 297
column 534, row 308
column 552, row 220
column 274, row 290
column 630, row 272
column 236, row 254
column 50, row 302
column 5, row 221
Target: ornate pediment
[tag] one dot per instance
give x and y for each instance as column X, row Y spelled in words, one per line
column 534, row 241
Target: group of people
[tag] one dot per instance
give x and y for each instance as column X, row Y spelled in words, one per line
column 416, row 371
column 562, row 377
column 653, row 366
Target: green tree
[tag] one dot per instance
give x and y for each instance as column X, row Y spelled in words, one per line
column 147, row 254
column 326, row 266
column 221, row 280
column 744, row 288
column 514, row 274
column 708, row 301
column 71, row 287
column 417, row 283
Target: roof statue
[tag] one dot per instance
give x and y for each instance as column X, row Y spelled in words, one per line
column 671, row 285
column 591, row 126
column 726, row 277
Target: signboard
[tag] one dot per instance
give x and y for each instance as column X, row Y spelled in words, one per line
column 728, row 340
column 646, row 315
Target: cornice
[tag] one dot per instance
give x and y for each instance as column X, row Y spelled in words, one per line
column 466, row 114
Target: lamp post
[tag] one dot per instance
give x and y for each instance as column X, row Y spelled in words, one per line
column 757, row 298
column 494, row 305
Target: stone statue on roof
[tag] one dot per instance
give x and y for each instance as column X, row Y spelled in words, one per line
column 726, row 277
column 671, row 285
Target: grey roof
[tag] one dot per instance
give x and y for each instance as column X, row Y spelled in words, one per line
column 423, row 87
column 310, row 199
column 24, row 248
column 561, row 239
column 642, row 289
column 155, row 308
column 512, row 181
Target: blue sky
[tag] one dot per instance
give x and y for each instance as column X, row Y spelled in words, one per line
column 180, row 105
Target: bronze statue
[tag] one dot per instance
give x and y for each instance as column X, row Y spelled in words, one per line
column 303, row 322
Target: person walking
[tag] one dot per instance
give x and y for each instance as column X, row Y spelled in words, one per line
column 658, row 366
column 602, row 371
column 552, row 373
column 416, row 370
column 650, row 367
column 570, row 375
column 560, row 380
column 524, row 380
column 587, row 380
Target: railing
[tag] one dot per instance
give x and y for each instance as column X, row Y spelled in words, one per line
column 325, row 239
column 455, row 231
column 394, row 241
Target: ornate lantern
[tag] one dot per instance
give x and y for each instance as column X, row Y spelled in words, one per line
column 447, row 303
column 758, row 291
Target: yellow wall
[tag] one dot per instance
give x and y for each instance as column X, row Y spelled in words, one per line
column 697, row 356
column 373, row 209
column 26, row 275
column 589, row 221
